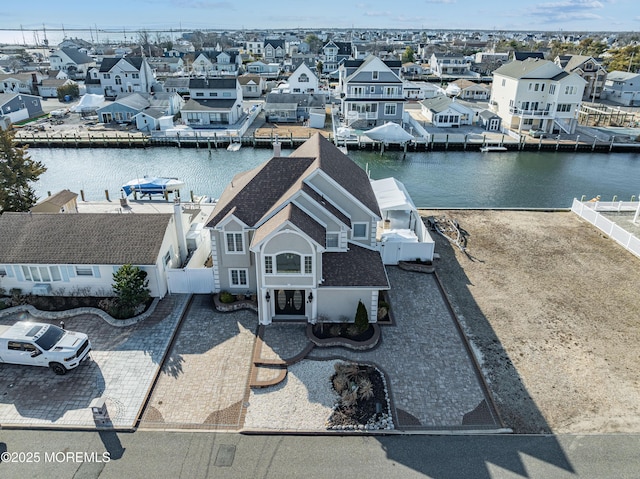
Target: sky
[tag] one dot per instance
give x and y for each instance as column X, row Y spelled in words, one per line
column 125, row 17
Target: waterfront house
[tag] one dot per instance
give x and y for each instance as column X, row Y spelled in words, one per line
column 471, row 90
column 622, row 88
column 161, row 105
column 587, row 67
column 51, row 253
column 420, row 90
column 123, row 109
column 15, row 107
column 536, row 94
column 179, row 85
column 445, row 112
column 214, row 102
column 293, row 107
column 73, row 61
column 125, row 75
column 299, row 232
column 371, row 92
column 253, row 86
column 303, row 80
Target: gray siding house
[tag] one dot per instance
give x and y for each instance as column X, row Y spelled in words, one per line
column 371, row 92
column 300, row 233
column 15, row 107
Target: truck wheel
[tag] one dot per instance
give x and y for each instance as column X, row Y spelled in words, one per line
column 58, row 368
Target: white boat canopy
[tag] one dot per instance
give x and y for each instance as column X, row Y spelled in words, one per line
column 389, row 133
column 392, row 195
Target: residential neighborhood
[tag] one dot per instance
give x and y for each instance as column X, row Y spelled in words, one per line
column 312, row 295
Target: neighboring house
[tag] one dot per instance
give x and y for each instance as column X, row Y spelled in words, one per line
column 292, row 107
column 420, row 90
column 64, row 201
column 16, row 107
column 444, row 112
column 92, row 82
column 333, row 53
column 125, row 75
column 412, row 69
column 216, row 63
column 48, row 87
column 274, row 51
column 51, row 253
column 213, row 102
column 124, row 108
column 522, row 56
column 179, row 85
column 253, row 86
column 622, row 88
column 20, row 83
column 536, row 94
column 166, row 65
column 371, row 92
column 471, row 90
column 267, row 70
column 589, row 68
column 308, row 59
column 300, row 233
column 254, row 46
column 303, row 80
column 72, row 61
column 161, row 105
column 451, row 65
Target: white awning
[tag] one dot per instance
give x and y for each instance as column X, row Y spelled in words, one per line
column 392, row 195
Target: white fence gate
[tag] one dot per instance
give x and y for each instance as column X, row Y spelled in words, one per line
column 190, row 280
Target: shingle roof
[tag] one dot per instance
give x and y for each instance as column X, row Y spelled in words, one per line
column 524, row 69
column 210, row 83
column 206, row 105
column 88, row 238
column 358, row 267
column 108, row 63
column 77, row 56
column 294, row 215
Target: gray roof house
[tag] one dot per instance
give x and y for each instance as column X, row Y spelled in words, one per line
column 214, row 102
column 72, row 61
column 622, row 88
column 52, row 252
column 15, row 107
column 300, row 233
column 124, row 108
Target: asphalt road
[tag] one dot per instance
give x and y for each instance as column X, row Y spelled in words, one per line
column 52, row 454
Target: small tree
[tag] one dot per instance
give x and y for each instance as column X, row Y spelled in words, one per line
column 362, row 317
column 408, row 56
column 319, row 67
column 17, row 172
column 72, row 90
column 130, row 286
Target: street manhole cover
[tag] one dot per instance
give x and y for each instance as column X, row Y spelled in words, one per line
column 225, row 455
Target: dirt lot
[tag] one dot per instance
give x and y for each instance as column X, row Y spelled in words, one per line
column 551, row 307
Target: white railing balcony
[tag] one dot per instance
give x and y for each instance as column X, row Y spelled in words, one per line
column 354, row 115
column 529, row 113
column 375, row 96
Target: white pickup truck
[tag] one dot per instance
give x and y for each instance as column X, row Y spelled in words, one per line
column 42, row 344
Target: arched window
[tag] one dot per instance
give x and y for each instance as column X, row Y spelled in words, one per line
column 304, row 78
column 118, row 80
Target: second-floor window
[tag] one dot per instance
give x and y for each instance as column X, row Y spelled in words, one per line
column 390, row 109
column 374, row 75
column 118, row 80
column 235, row 243
column 564, row 107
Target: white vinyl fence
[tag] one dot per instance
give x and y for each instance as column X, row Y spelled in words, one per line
column 589, row 212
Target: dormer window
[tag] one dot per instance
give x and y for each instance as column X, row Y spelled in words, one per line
column 374, row 75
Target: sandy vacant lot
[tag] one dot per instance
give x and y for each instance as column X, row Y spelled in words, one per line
column 551, row 306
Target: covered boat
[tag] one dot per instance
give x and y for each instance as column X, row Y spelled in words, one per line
column 389, row 133
column 152, row 185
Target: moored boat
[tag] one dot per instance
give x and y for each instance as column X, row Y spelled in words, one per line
column 488, row 148
column 152, row 185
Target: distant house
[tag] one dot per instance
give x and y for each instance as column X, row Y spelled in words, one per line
column 412, row 69
column 125, row 75
column 622, row 88
column 267, row 70
column 213, row 102
column 64, row 201
column 72, row 61
column 254, row 46
column 48, row 87
column 471, row 90
column 371, row 92
column 303, row 80
column 536, row 94
column 253, row 86
column 166, row 65
column 15, row 107
column 589, row 68
column 274, row 50
column 333, row 53
column 54, row 252
column 451, row 65
column 419, row 90
column 522, row 56
column 445, row 112
column 216, row 63
column 299, row 232
column 292, row 107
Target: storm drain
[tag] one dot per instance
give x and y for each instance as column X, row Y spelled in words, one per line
column 225, row 455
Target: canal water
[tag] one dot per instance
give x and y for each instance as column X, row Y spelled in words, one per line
column 445, row 179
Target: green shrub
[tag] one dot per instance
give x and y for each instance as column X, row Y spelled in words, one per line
column 362, row 317
column 226, row 297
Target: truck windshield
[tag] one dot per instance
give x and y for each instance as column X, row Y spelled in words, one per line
column 50, row 337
